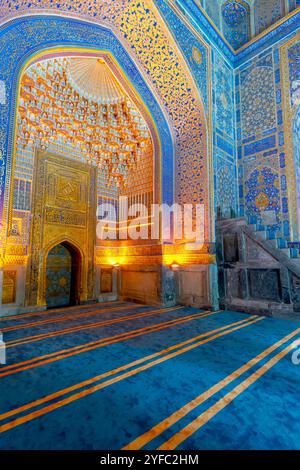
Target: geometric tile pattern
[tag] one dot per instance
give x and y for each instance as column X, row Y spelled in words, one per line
column 263, row 195
column 267, row 12
column 225, row 177
column 226, row 188
column 294, row 73
column 223, row 90
column 257, row 101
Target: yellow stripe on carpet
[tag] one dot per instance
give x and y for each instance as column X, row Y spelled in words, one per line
column 166, row 354
column 148, row 436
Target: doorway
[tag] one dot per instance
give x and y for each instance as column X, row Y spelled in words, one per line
column 62, row 276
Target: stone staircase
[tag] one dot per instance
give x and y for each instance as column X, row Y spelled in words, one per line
column 2, row 350
column 277, row 240
column 259, row 270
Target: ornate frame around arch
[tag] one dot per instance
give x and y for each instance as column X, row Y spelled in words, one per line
column 296, row 117
column 138, row 89
column 189, row 136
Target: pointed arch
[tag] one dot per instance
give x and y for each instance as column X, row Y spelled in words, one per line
column 73, row 274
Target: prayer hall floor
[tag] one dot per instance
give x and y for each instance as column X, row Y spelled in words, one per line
column 122, row 375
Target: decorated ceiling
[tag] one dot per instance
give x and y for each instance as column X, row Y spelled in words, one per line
column 241, row 20
column 79, row 101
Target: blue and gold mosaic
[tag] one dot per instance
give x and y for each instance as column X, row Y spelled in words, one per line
column 216, row 97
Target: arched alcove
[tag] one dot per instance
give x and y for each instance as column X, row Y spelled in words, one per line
column 162, row 81
column 62, row 276
column 235, row 17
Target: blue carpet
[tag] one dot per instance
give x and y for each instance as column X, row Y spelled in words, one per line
column 100, row 377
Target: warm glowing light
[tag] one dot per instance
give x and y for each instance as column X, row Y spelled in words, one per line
column 179, row 254
column 175, row 265
column 126, row 226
